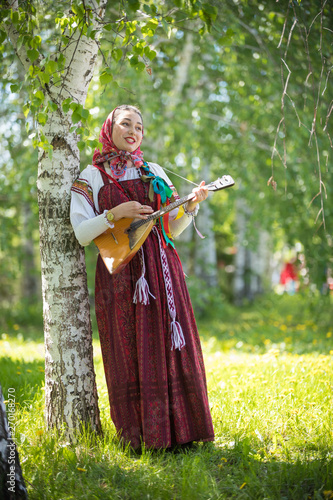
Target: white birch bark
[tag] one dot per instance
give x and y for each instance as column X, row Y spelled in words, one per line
column 180, row 79
column 252, row 267
column 70, row 387
column 240, row 257
column 205, row 255
column 30, row 282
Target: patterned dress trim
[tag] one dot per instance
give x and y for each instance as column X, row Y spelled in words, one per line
column 82, row 187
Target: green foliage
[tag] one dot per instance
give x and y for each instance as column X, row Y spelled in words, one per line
column 298, row 324
column 226, row 115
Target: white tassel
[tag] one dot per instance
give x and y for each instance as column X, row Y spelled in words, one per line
column 177, row 336
column 142, row 292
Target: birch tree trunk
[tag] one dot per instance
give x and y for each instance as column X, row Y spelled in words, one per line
column 205, row 257
column 180, row 80
column 30, row 282
column 70, row 387
column 241, row 257
column 252, row 268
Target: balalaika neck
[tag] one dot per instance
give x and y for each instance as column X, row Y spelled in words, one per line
column 162, row 211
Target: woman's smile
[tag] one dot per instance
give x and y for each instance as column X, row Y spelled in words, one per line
column 127, row 130
column 130, row 140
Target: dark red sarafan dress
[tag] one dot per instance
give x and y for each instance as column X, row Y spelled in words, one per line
column 158, row 396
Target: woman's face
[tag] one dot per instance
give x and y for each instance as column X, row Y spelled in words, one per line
column 127, row 130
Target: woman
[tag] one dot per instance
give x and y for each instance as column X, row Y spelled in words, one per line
column 150, row 344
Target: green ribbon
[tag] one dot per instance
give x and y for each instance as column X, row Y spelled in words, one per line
column 158, row 186
column 165, row 236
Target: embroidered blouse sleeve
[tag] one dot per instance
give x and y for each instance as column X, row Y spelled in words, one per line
column 85, row 218
column 179, row 220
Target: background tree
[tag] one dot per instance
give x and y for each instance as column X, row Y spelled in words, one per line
column 59, row 75
column 220, row 112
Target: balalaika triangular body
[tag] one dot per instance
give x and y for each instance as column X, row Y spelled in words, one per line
column 117, row 246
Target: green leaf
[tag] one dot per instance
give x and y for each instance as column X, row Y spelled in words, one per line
column 44, row 77
column 131, row 27
column 65, row 105
column 76, row 117
column 149, row 28
column 167, row 28
column 39, row 94
column 36, row 42
column 51, row 67
column 78, row 9
column 210, row 11
column 139, row 67
column 3, row 36
column 52, row 106
column 14, row 15
column 26, row 109
column 76, row 107
column 81, row 145
column 20, row 41
column 117, row 54
column 151, row 54
column 105, row 78
column 202, row 30
column 134, row 60
column 14, row 88
column 120, row 26
column 92, row 34
column 93, row 143
column 138, row 49
column 127, row 40
column 42, row 118
column 85, row 114
column 33, row 54
column 134, row 4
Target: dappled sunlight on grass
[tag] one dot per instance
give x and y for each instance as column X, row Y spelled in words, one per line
column 290, row 324
column 16, row 347
column 271, row 396
column 273, row 399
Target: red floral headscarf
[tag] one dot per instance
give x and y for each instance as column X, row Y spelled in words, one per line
column 116, row 157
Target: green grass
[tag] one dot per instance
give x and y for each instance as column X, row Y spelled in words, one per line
column 270, row 379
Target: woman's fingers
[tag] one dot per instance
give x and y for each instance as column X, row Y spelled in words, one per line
column 144, row 211
column 201, row 193
column 132, row 210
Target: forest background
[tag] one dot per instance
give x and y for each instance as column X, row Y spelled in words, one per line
column 240, row 89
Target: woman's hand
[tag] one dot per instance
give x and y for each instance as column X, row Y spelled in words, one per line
column 201, row 193
column 131, row 210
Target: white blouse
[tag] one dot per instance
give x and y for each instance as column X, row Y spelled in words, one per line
column 86, row 219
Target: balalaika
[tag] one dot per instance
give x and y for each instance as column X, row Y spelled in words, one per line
column 117, row 246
